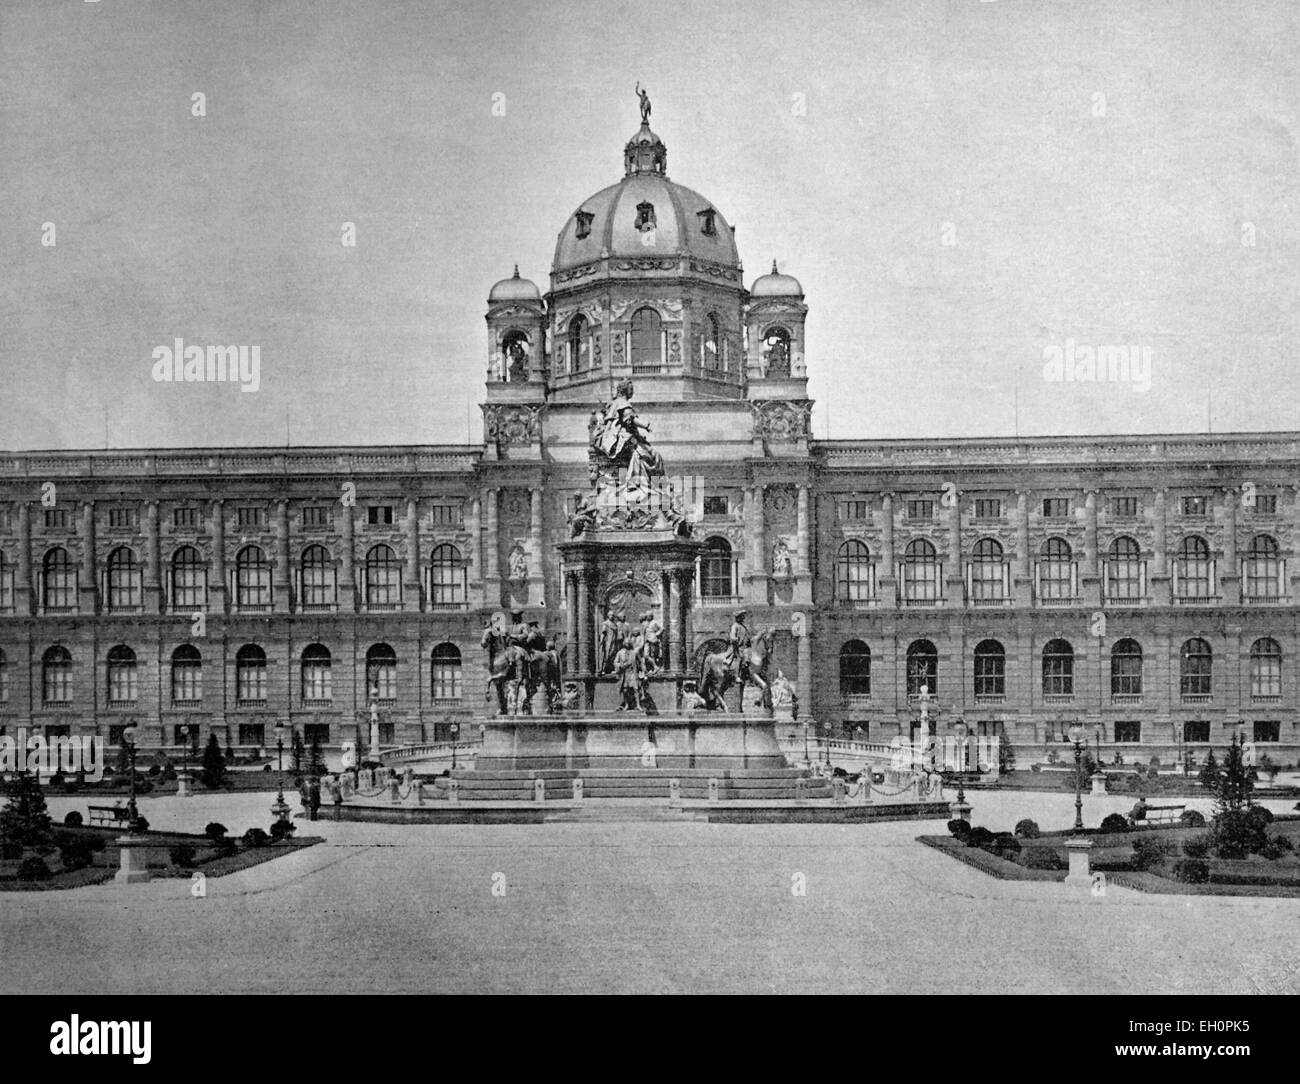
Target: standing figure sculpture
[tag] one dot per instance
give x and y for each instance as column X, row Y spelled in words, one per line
column 645, row 103
column 626, row 668
column 738, row 665
column 622, row 440
column 609, row 641
column 506, row 662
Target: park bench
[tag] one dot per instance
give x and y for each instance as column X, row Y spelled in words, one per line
column 1160, row 814
column 108, row 814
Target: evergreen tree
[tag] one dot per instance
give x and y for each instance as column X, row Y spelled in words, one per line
column 24, row 821
column 1209, row 773
column 230, row 753
column 316, row 759
column 214, row 764
column 123, row 759
column 1235, row 782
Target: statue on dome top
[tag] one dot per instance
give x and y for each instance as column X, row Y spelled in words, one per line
column 645, row 103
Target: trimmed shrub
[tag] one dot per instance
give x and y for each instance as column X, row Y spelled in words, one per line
column 1005, row 845
column 215, row 831
column 154, row 770
column 1027, row 829
column 1236, row 833
column 225, row 847
column 1273, row 850
column 141, row 825
column 73, row 819
column 1197, row 846
column 182, row 854
column 1190, row 818
column 282, row 830
column 10, row 851
column 1155, row 763
column 1041, row 858
column 1149, row 852
column 76, row 856
column 1192, row 871
column 34, row 869
column 1114, row 822
column 255, row 837
column 979, row 837
column 1038, row 768
column 959, row 828
column 1259, row 813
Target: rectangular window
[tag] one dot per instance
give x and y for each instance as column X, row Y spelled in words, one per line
column 185, row 517
column 990, row 675
column 1129, row 730
column 250, row 683
column 716, row 506
column 1268, row 730
column 124, row 517
column 1056, row 507
column 4, row 517
column 1196, row 730
column 1124, row 506
column 316, row 732
column 445, row 515
column 187, row 682
column 387, row 734
column 189, row 585
column 57, row 519
column 1266, row 504
column 853, row 510
column 252, row 734
column 315, row 515
column 250, row 517
column 379, row 515
column 1195, row 505
column 123, row 687
column 920, row 508
column 988, row 508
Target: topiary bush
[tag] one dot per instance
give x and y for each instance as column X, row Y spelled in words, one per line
column 1192, row 871
column 255, row 837
column 1041, row 858
column 1114, row 822
column 1027, row 829
column 76, row 855
column 34, row 869
column 959, row 828
column 215, row 831
column 72, row 819
column 1149, row 852
column 282, row 830
column 1236, row 833
column 1005, row 845
column 1260, row 814
column 225, row 847
column 182, row 855
column 1197, row 846
column 11, row 851
column 979, row 837
column 1190, row 818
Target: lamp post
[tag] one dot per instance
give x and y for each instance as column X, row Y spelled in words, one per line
column 807, row 763
column 959, row 728
column 455, row 729
column 183, row 783
column 827, row 727
column 1076, row 737
column 281, row 808
column 129, row 735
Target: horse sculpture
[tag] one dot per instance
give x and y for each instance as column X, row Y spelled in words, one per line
column 717, row 675
column 508, row 670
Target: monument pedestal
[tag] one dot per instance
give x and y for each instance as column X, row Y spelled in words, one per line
column 133, row 865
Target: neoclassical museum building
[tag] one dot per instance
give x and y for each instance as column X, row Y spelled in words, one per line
column 1143, row 587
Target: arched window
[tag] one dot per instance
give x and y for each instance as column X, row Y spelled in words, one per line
column 716, row 569
column 446, row 577
column 316, row 672
column 124, row 579
column 1126, row 669
column 6, row 585
column 514, row 351
column 1196, row 670
column 1263, row 568
column 1124, row 577
column 316, row 572
column 990, row 669
column 1193, row 574
column 922, row 668
column 250, row 675
column 56, row 676
column 187, row 675
column 646, row 341
column 920, row 572
column 189, row 580
column 381, row 674
column 1265, row 668
column 383, row 588
column 4, row 678
column 988, row 572
column 853, row 579
column 123, row 683
column 855, row 669
column 711, row 347
column 776, row 353
column 58, row 580
column 1058, row 668
column 446, row 672
column 1056, row 570
column 252, row 579
column 579, row 345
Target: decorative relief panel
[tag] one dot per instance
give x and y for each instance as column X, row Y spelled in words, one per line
column 782, row 421
column 506, row 424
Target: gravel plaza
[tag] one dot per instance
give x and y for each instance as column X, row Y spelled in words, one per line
column 624, row 906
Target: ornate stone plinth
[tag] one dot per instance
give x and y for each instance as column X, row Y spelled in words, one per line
column 1078, row 851
column 133, row 863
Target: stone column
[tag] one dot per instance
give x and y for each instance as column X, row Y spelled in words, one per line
column 280, row 573
column 584, row 625
column 673, row 621
column 955, row 588
column 492, row 551
column 688, row 623
column 666, row 653
column 887, row 584
column 536, row 564
column 217, row 585
column 571, row 621
column 87, row 589
column 1023, row 585
column 804, row 684
column 23, row 585
column 347, row 590
column 803, row 560
column 1229, row 574
column 756, row 571
column 1159, row 579
column 1090, row 575
column 475, row 528
column 411, row 576
column 152, row 563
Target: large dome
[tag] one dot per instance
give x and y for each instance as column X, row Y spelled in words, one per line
column 613, row 224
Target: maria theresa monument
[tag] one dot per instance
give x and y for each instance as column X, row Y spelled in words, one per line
column 649, row 527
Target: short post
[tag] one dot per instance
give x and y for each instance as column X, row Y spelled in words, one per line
column 713, row 789
column 539, row 790
column 345, row 786
column 837, row 789
column 394, row 790
column 407, row 775
column 133, row 866
column 1079, row 874
column 577, row 790
column 419, row 792
column 453, row 790
column 674, row 792
column 801, row 789
column 1099, row 783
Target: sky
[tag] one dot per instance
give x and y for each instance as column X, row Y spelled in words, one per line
column 967, row 191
